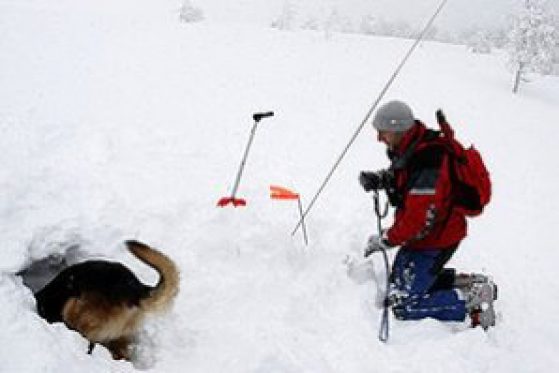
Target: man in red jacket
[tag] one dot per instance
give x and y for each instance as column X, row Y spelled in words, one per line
column 426, row 226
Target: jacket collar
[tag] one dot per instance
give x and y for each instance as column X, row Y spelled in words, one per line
column 414, row 133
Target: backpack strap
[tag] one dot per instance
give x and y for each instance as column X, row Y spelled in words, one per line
column 402, row 161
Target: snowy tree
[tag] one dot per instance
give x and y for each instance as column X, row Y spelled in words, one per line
column 479, row 42
column 337, row 22
column 371, row 25
column 287, row 18
column 498, row 37
column 311, row 23
column 331, row 23
column 386, row 28
column 531, row 41
column 555, row 53
column 368, row 25
column 346, row 25
column 189, row 13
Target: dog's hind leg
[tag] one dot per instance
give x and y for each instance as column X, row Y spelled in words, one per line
column 90, row 348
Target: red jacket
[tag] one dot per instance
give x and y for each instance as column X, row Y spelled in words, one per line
column 424, row 217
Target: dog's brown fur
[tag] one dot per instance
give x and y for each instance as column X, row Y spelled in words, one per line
column 105, row 302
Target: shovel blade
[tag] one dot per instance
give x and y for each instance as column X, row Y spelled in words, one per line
column 236, row 202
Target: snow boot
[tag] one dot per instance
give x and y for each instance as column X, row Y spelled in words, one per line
column 465, row 280
column 479, row 303
column 483, row 317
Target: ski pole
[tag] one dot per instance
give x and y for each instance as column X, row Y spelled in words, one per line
column 384, row 329
column 367, row 116
column 232, row 198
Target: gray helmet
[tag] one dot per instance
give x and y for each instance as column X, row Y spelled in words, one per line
column 394, row 116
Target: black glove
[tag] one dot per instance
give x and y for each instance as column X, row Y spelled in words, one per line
column 440, row 117
column 375, row 180
column 370, row 180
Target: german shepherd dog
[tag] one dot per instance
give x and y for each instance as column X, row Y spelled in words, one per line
column 105, row 302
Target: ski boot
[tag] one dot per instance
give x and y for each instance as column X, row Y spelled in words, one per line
column 479, row 303
column 467, row 280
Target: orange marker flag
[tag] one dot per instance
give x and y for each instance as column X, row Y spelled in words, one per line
column 277, row 192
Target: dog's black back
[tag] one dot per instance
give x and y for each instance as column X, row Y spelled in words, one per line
column 111, row 279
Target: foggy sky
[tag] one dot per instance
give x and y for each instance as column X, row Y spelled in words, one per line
column 457, row 14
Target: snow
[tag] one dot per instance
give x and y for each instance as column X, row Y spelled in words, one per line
column 120, row 122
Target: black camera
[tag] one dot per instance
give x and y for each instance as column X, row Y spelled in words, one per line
column 376, row 180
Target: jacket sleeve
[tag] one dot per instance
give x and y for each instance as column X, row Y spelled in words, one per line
column 428, row 186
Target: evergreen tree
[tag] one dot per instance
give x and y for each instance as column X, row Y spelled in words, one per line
column 531, row 41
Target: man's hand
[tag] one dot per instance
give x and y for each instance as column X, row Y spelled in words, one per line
column 370, row 180
column 376, row 244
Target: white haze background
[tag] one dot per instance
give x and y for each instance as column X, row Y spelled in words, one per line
column 120, row 122
column 458, row 15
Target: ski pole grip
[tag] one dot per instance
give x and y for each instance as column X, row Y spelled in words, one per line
column 258, row 116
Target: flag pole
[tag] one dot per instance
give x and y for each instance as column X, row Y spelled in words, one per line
column 281, row 193
column 302, row 220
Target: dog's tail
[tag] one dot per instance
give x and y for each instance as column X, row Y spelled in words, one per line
column 167, row 288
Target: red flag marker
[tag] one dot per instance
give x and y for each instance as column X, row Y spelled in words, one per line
column 281, row 193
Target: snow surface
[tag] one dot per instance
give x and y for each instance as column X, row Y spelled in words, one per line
column 119, row 122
